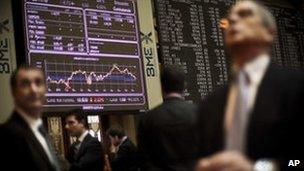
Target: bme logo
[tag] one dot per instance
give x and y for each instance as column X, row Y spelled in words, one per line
column 293, row 163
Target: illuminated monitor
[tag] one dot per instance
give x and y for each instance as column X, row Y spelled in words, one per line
column 89, row 51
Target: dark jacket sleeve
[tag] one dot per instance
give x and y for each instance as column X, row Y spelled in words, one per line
column 13, row 150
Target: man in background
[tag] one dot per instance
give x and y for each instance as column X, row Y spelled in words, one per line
column 86, row 153
column 256, row 121
column 166, row 134
column 124, row 154
column 24, row 141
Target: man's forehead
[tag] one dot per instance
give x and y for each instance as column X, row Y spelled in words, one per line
column 244, row 5
column 29, row 73
column 71, row 118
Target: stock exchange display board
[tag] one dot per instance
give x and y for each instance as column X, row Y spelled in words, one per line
column 288, row 50
column 190, row 36
column 89, row 51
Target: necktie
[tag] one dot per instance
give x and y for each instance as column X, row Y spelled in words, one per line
column 235, row 135
column 44, row 133
column 76, row 147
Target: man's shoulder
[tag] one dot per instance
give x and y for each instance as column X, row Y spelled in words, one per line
column 173, row 104
column 14, row 126
column 284, row 78
column 285, row 73
column 127, row 146
column 128, row 142
column 151, row 113
column 89, row 140
column 12, row 134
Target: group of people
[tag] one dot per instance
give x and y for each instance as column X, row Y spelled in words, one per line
column 25, row 143
column 255, row 122
column 87, row 153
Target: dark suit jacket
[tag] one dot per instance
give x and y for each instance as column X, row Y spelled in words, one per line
column 20, row 148
column 166, row 136
column 275, row 123
column 89, row 157
column 126, row 158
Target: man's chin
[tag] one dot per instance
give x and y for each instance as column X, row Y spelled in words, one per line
column 34, row 107
column 242, row 44
column 245, row 41
column 37, row 106
column 236, row 42
column 73, row 134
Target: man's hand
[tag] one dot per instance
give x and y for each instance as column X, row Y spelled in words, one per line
column 225, row 161
column 113, row 148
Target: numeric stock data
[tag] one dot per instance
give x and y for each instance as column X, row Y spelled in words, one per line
column 89, row 51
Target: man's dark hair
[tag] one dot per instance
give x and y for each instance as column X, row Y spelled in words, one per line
column 13, row 79
column 80, row 116
column 172, row 79
column 116, row 131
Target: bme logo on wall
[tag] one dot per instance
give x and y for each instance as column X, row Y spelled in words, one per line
column 148, row 53
column 4, row 48
column 294, row 163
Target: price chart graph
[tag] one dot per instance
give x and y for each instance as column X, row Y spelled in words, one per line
column 88, row 77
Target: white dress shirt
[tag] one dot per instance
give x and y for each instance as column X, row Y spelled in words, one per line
column 254, row 71
column 83, row 135
column 34, row 124
column 93, row 133
column 122, row 141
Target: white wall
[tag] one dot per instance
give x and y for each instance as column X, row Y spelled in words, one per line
column 7, row 59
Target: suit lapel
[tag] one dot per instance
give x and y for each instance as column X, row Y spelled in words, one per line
column 124, row 143
column 34, row 144
column 214, row 121
column 264, row 105
column 261, row 104
column 82, row 146
column 221, row 116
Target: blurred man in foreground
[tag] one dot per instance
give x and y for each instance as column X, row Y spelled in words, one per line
column 256, row 121
column 166, row 134
column 87, row 152
column 24, row 141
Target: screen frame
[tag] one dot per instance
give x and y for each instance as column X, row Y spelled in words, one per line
column 23, row 58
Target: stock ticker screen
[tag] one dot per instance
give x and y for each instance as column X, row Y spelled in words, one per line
column 89, row 51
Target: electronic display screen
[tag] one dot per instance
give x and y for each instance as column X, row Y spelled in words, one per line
column 190, row 37
column 89, row 51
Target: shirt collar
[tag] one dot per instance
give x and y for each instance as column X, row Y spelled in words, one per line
column 32, row 122
column 255, row 68
column 123, row 139
column 83, row 135
column 173, row 95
